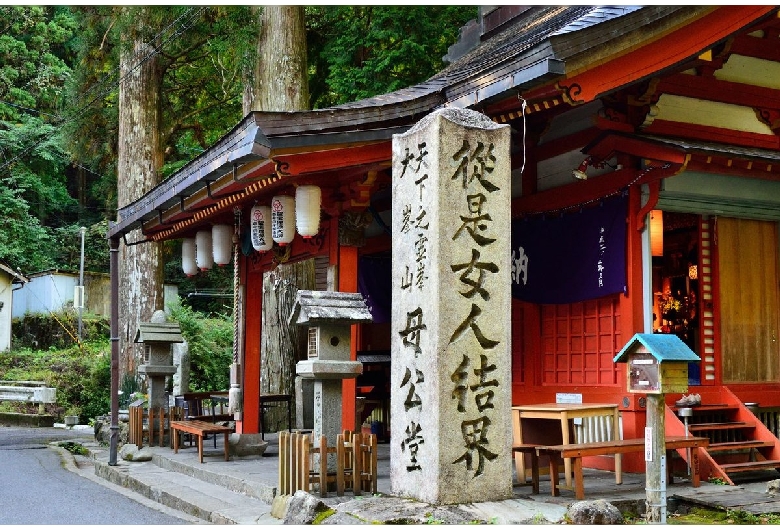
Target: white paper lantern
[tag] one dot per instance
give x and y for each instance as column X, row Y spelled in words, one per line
column 188, row 265
column 260, row 228
column 283, row 219
column 307, row 210
column 222, row 243
column 203, row 253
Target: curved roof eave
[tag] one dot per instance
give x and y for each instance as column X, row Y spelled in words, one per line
column 521, row 56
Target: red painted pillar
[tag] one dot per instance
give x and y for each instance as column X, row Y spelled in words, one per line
column 253, row 306
column 348, row 283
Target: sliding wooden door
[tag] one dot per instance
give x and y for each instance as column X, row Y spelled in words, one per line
column 749, row 300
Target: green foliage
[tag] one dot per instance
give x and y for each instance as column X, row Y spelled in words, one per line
column 210, row 342
column 203, row 56
column 59, row 79
column 74, row 448
column 82, row 377
column 357, row 52
column 129, row 386
column 33, row 69
column 23, row 241
column 705, row 516
column 44, row 331
column 67, row 252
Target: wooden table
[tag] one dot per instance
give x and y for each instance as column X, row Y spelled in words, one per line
column 200, row 429
column 562, row 412
column 265, row 400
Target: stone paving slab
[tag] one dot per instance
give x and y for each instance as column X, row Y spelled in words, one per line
column 747, row 501
column 241, row 491
column 208, row 501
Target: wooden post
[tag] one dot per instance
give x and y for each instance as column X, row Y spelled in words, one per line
column 655, row 460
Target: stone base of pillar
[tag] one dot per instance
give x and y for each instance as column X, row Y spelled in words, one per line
column 247, row 444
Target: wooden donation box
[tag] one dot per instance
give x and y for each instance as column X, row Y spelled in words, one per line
column 657, row 363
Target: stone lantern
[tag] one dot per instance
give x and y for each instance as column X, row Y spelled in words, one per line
column 158, row 336
column 329, row 316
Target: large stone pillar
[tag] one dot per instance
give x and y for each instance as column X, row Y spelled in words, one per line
column 451, row 394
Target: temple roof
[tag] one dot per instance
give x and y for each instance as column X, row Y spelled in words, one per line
column 534, row 55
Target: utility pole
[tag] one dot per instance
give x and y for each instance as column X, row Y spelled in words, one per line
column 81, row 281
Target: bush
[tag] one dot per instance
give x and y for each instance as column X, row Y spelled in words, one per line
column 210, row 342
column 82, row 377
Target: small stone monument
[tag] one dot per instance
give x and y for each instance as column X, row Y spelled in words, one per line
column 329, row 315
column 451, row 430
column 158, row 336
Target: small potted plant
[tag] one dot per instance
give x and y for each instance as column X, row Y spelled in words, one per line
column 71, row 418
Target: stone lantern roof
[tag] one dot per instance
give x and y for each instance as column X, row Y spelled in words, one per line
column 313, row 308
column 158, row 331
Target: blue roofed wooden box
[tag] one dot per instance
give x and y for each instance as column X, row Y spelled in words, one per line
column 657, row 363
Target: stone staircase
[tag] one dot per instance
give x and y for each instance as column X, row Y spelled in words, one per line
column 739, row 442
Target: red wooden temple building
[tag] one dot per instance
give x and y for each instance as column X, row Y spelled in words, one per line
column 658, row 124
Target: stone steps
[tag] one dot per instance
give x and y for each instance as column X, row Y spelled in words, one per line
column 212, row 502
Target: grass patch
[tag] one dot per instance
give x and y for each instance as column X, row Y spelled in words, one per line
column 74, row 448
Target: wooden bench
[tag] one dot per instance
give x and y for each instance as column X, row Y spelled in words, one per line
column 199, row 429
column 528, row 449
column 577, row 451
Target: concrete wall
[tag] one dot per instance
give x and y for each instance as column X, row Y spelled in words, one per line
column 53, row 291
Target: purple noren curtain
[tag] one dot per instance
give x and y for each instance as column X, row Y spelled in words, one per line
column 374, row 283
column 571, row 257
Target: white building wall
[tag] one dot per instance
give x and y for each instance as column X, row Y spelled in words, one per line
column 44, row 293
column 6, row 299
column 53, row 291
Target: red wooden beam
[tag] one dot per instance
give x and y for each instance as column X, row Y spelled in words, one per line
column 672, row 49
column 580, row 193
column 713, row 134
column 318, row 161
column 709, row 88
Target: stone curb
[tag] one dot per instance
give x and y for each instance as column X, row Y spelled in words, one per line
column 110, row 473
column 70, row 463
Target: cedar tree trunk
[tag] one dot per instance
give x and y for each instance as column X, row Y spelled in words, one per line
column 139, row 159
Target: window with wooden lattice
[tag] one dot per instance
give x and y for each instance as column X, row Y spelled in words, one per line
column 579, row 341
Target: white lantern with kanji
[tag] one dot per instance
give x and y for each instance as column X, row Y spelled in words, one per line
column 188, row 264
column 283, row 219
column 260, row 228
column 222, row 243
column 204, row 256
column 307, row 210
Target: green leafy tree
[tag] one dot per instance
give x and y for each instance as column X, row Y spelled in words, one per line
column 201, row 53
column 357, row 52
column 34, row 46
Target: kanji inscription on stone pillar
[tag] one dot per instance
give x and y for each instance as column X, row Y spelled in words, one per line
column 450, row 332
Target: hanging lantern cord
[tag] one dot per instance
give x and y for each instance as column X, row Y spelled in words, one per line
column 236, row 297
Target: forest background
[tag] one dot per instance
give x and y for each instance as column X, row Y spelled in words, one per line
column 59, row 90
column 59, row 77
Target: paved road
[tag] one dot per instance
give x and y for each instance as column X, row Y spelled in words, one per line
column 38, row 486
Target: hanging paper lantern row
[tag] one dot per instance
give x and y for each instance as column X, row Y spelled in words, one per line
column 203, row 252
column 307, row 210
column 283, row 219
column 260, row 228
column 222, row 242
column 188, row 264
